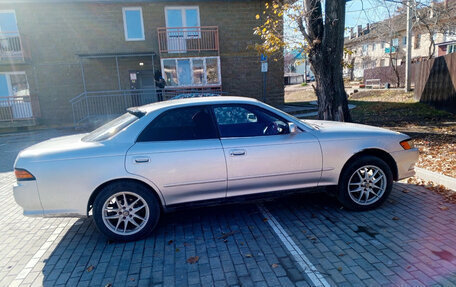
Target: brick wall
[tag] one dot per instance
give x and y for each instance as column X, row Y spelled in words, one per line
column 57, row 32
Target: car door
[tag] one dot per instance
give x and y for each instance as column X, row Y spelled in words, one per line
column 261, row 153
column 180, row 152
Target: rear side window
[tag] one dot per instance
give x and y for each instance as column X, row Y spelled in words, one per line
column 190, row 123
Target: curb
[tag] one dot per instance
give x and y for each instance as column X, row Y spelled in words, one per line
column 444, row 180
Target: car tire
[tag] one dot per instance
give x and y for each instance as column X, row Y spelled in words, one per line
column 126, row 222
column 365, row 183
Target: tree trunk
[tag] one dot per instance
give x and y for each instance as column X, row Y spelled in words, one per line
column 330, row 90
column 326, row 61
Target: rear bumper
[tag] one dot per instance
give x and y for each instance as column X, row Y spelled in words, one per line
column 26, row 196
column 405, row 161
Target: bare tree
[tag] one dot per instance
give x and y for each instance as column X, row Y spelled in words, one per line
column 323, row 39
column 433, row 19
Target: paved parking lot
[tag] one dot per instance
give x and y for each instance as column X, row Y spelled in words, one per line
column 296, row 240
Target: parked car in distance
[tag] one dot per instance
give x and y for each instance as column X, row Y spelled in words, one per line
column 162, row 155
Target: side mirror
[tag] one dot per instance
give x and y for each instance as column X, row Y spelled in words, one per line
column 292, row 128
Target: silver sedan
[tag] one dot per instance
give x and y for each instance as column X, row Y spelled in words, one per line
column 159, row 156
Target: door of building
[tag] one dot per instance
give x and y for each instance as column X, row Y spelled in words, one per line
column 143, row 81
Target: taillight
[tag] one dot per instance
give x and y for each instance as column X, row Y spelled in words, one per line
column 407, row 144
column 22, row 174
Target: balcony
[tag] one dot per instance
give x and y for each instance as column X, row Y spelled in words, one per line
column 11, row 48
column 188, row 39
column 18, row 111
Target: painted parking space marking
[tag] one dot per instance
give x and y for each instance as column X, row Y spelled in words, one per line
column 309, row 269
column 37, row 256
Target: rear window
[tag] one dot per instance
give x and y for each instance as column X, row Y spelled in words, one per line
column 110, row 129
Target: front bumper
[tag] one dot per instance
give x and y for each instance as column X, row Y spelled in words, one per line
column 405, row 161
column 26, row 195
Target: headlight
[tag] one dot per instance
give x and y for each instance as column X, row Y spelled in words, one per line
column 22, row 174
column 407, row 144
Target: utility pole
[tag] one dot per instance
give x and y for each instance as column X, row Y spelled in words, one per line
column 408, row 61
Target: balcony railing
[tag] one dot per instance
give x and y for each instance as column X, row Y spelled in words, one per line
column 11, row 46
column 188, row 39
column 17, row 108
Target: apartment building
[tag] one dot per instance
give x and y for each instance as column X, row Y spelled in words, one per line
column 64, row 61
column 384, row 43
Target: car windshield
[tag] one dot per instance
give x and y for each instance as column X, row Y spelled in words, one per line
column 113, row 127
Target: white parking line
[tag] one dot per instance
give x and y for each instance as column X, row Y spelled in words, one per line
column 36, row 257
column 310, row 270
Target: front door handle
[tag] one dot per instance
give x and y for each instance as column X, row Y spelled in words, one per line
column 237, row 152
column 141, row 159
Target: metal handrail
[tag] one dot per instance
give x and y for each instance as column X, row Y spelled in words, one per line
column 11, row 45
column 183, row 39
column 96, row 104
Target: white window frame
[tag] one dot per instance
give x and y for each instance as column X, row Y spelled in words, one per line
column 395, row 40
column 204, row 84
column 184, row 16
column 125, row 23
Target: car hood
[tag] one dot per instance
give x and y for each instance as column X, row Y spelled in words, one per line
column 349, row 129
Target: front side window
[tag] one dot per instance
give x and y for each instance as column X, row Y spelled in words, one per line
column 133, row 24
column 191, row 123
column 187, row 72
column 248, row 121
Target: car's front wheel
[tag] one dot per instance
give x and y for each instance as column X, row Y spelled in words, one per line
column 365, row 183
column 126, row 211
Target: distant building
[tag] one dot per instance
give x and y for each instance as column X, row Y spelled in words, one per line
column 379, row 44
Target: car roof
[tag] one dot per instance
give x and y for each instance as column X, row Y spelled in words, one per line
column 195, row 101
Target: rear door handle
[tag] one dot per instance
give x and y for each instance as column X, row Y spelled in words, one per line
column 237, row 152
column 141, row 159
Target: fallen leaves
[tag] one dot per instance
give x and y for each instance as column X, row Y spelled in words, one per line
column 275, row 265
column 170, row 242
column 248, row 255
column 228, row 234
column 395, row 218
column 193, row 259
column 90, row 268
column 443, row 207
column 448, row 195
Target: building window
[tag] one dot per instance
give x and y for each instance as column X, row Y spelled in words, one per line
column 133, row 24
column 404, row 40
column 451, row 48
column 373, row 46
column 395, row 42
column 382, row 45
column 177, row 17
column 417, row 41
column 10, row 42
column 382, row 62
column 365, row 47
column 187, row 72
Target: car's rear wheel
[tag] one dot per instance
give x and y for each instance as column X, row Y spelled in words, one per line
column 126, row 211
column 365, row 183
